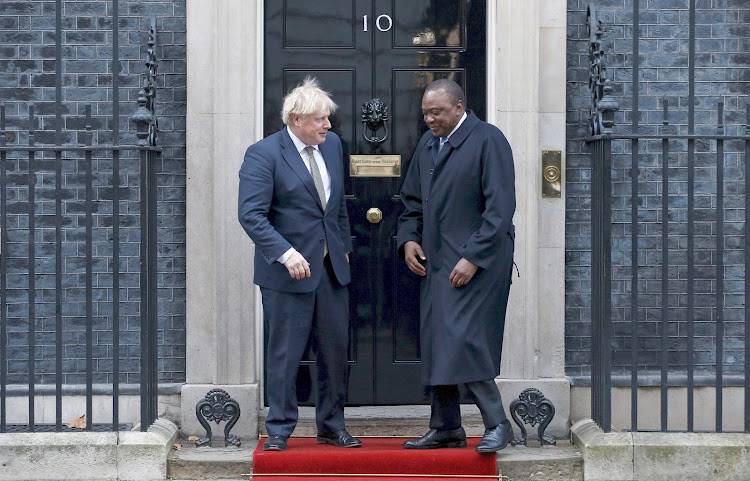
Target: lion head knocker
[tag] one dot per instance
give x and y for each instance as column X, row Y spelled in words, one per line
column 374, row 119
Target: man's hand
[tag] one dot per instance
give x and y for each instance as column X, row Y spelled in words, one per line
column 412, row 254
column 462, row 273
column 297, row 266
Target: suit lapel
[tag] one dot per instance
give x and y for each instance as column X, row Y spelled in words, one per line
column 444, row 153
column 328, row 158
column 293, row 158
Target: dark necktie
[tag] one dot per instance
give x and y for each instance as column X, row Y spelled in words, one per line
column 436, row 148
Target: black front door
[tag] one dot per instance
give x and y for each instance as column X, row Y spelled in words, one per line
column 360, row 50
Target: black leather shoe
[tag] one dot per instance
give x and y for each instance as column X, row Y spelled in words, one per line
column 496, row 438
column 433, row 439
column 341, row 439
column 275, row 443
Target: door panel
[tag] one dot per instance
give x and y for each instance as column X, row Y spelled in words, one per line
column 430, row 40
column 319, row 23
column 426, row 40
column 319, row 39
column 341, row 81
column 428, row 23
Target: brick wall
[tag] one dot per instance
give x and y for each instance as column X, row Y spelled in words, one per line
column 27, row 77
column 721, row 73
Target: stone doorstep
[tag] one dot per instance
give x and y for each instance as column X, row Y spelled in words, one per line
column 551, row 463
column 563, row 462
column 672, row 456
column 516, row 463
column 194, row 463
column 121, row 456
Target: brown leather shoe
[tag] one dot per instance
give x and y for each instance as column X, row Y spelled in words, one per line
column 340, row 439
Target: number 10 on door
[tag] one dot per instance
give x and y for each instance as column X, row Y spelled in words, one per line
column 382, row 22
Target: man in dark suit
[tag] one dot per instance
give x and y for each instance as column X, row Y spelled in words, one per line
column 457, row 233
column 291, row 204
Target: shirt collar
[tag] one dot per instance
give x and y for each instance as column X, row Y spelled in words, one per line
column 298, row 144
column 463, row 117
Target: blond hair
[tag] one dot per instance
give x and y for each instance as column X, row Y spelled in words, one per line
column 305, row 99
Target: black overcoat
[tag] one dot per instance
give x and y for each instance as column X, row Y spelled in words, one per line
column 461, row 205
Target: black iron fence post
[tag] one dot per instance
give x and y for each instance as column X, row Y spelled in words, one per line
column 747, row 268
column 32, row 267
column 601, row 214
column 149, row 332
column 145, row 119
column 89, row 276
column 603, row 108
column 3, row 273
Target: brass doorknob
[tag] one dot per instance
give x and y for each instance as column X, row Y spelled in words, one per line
column 374, row 215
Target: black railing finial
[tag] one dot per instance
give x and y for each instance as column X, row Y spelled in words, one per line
column 145, row 115
column 603, row 103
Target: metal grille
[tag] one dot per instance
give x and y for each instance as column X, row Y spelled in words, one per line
column 46, row 197
column 679, row 249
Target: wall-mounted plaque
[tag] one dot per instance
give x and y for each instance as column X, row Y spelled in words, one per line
column 375, row 165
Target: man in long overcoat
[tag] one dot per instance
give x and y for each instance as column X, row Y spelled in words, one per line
column 457, row 233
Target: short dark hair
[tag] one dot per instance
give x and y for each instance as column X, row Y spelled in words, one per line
column 450, row 87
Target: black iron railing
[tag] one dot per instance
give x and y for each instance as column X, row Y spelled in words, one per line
column 677, row 152
column 32, row 178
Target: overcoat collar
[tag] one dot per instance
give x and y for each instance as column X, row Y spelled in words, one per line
column 293, row 158
column 455, row 140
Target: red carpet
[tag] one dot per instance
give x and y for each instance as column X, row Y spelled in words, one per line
column 374, row 477
column 379, row 459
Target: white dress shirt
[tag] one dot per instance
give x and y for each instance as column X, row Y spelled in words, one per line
column 300, row 146
column 463, row 117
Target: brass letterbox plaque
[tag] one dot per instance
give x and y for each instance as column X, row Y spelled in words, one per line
column 551, row 173
column 375, row 165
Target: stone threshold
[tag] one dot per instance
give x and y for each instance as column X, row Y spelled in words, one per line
column 671, row 456
column 88, row 456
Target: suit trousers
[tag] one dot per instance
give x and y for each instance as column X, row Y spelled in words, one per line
column 446, row 410
column 292, row 319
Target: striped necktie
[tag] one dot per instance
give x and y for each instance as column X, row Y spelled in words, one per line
column 318, row 180
column 315, row 172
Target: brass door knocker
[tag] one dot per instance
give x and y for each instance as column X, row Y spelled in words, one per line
column 374, row 119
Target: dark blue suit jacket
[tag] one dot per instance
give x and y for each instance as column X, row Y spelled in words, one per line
column 279, row 208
